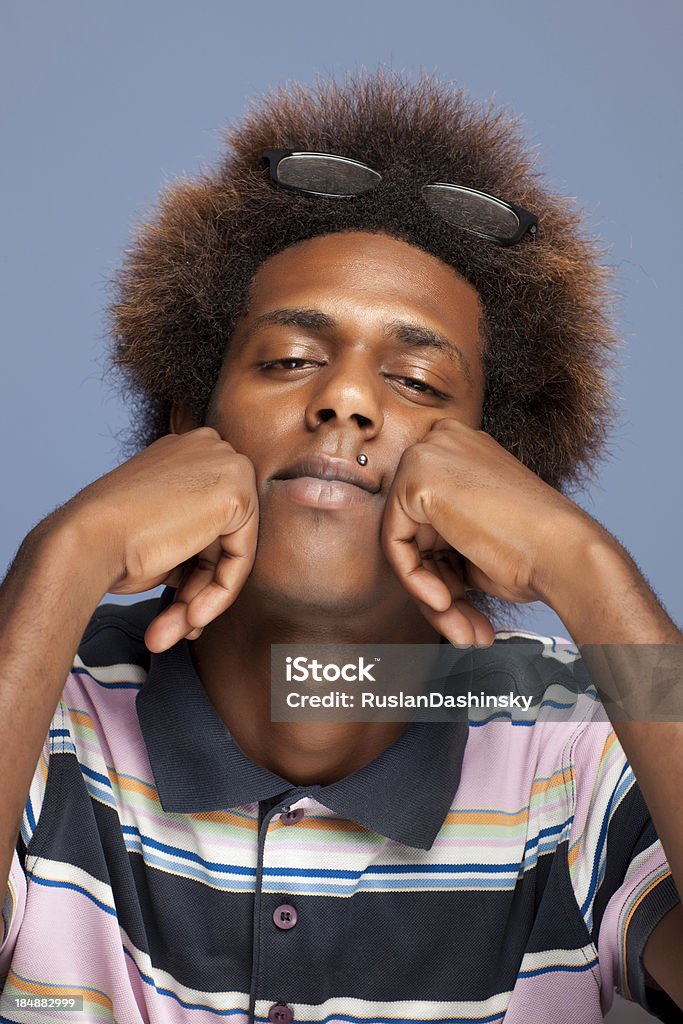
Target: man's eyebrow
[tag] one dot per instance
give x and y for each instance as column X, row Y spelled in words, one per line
column 413, row 335
column 418, row 336
column 307, row 319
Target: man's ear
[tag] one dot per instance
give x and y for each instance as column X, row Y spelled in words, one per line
column 181, row 419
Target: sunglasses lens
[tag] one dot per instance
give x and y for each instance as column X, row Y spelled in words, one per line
column 474, row 211
column 326, row 175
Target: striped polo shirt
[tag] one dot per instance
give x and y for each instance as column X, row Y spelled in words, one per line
column 504, row 869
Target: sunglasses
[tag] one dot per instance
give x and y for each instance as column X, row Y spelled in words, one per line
column 338, row 177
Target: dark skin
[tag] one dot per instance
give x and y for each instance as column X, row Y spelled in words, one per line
column 258, row 559
column 358, row 342
column 351, row 385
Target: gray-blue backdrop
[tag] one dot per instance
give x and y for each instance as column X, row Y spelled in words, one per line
column 103, row 102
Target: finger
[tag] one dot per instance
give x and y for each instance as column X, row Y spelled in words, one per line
column 167, row 628
column 219, row 573
column 172, row 624
column 200, row 575
column 230, row 572
column 453, row 578
column 427, row 538
column 399, row 541
column 462, row 625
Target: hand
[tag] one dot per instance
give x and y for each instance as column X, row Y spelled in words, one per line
column 183, row 512
column 492, row 523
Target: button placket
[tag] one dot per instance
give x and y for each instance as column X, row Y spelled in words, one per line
column 277, row 849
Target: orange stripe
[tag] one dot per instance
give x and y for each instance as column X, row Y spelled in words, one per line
column 82, row 717
column 574, row 853
column 323, row 824
column 472, row 817
column 10, row 888
column 47, row 989
column 566, row 775
column 136, row 785
column 225, row 818
column 631, row 912
column 486, row 818
column 609, row 742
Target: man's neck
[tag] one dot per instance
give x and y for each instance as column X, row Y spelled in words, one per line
column 233, row 661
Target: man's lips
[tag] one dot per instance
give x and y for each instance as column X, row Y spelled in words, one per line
column 326, row 483
column 324, row 467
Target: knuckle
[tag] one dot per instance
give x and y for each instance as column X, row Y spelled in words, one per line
column 411, row 456
column 241, row 469
column 448, row 423
column 209, row 433
column 419, row 495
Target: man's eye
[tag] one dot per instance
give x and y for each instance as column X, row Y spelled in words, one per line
column 285, row 364
column 419, row 386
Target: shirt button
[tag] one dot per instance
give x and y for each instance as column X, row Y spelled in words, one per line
column 285, row 916
column 281, row 1013
column 291, row 817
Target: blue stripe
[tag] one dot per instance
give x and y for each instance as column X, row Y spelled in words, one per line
column 545, row 832
column 505, row 883
column 403, row 1020
column 502, row 714
column 393, row 869
column 223, row 885
column 131, row 830
column 148, row 980
column 29, row 815
column 424, row 868
column 552, row 642
column 51, row 884
column 103, row 795
column 95, row 775
column 560, row 967
column 604, row 828
column 106, row 686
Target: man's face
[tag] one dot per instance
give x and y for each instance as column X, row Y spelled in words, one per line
column 352, row 343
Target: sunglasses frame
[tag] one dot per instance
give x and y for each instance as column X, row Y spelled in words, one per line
column 527, row 222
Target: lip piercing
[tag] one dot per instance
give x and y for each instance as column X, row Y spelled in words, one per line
column 362, row 460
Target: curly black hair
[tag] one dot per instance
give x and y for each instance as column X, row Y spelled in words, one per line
column 549, row 335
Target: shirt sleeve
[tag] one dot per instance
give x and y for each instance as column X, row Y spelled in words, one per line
column 15, row 898
column 621, row 877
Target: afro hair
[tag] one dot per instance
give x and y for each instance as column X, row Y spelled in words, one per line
column 549, row 335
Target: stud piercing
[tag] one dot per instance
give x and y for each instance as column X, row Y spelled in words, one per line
column 362, row 460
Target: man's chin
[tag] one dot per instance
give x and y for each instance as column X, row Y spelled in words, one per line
column 323, row 586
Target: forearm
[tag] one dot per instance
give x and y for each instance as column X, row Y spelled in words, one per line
column 634, row 654
column 46, row 602
column 601, row 596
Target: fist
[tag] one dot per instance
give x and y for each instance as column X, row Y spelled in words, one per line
column 182, row 512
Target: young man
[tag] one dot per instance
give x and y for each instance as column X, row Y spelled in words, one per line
column 379, row 373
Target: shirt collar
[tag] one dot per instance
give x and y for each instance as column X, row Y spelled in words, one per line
column 403, row 794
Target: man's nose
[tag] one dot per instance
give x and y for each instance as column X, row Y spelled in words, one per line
column 347, row 395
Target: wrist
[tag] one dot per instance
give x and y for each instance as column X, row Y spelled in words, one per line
column 598, row 592
column 67, row 543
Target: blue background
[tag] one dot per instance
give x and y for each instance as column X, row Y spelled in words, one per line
column 103, row 103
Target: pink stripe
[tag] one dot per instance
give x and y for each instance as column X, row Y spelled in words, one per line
column 559, row 998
